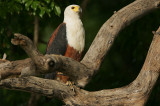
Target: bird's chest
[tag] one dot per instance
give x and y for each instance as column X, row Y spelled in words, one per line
column 75, row 36
column 72, row 53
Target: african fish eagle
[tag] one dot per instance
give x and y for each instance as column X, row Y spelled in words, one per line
column 69, row 37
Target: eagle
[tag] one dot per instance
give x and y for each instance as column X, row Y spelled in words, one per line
column 68, row 39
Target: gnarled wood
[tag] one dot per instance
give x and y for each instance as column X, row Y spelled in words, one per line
column 111, row 28
column 50, row 88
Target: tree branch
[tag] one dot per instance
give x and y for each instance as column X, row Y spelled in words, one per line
column 40, row 64
column 50, row 88
column 136, row 92
column 14, row 68
column 93, row 58
column 111, row 28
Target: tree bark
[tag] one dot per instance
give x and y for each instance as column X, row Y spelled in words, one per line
column 136, row 93
column 34, row 97
column 36, row 29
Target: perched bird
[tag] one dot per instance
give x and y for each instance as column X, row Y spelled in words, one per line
column 68, row 39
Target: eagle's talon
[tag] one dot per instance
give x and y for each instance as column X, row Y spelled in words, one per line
column 70, row 84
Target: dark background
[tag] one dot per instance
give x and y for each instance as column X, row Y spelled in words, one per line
column 121, row 65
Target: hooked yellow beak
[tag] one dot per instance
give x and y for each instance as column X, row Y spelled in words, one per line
column 76, row 9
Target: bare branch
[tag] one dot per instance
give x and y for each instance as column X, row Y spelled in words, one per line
column 40, row 64
column 135, row 93
column 26, row 44
column 95, row 54
column 111, row 28
column 139, row 90
column 14, row 68
column 50, row 88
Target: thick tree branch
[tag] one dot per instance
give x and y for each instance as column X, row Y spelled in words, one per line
column 111, row 28
column 40, row 64
column 14, row 68
column 105, row 36
column 26, row 44
column 50, row 88
column 135, row 93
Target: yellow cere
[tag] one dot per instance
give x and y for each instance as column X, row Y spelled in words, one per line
column 75, row 8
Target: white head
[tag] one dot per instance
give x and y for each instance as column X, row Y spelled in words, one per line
column 72, row 11
column 75, row 31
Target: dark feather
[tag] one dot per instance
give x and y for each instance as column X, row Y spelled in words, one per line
column 57, row 44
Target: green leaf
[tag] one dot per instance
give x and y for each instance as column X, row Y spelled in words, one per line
column 42, row 12
column 17, row 8
column 23, row 1
column 57, row 10
column 52, row 5
column 48, row 11
column 35, row 5
column 34, row 13
column 27, row 4
column 19, row 1
column 47, row 1
column 49, row 14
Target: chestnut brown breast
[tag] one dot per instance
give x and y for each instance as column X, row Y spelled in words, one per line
column 72, row 53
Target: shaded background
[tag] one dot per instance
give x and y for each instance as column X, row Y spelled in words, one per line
column 121, row 65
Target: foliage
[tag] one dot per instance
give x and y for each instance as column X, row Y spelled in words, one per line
column 34, row 7
column 13, row 19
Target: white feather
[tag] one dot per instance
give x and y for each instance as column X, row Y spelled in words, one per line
column 74, row 29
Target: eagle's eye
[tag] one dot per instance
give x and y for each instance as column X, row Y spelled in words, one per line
column 72, row 7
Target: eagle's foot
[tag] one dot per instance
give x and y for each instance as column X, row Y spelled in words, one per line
column 70, row 84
